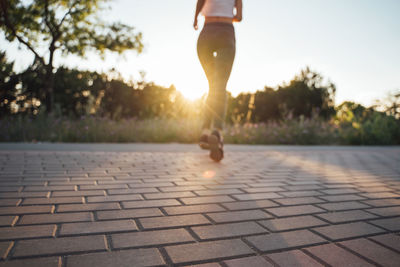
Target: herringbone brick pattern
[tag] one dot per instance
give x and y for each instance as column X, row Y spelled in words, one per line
column 306, row 207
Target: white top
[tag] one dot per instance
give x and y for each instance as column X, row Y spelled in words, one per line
column 218, row 8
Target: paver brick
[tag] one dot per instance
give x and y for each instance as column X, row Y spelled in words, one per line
column 300, row 193
column 340, row 191
column 125, row 258
column 49, row 188
column 336, row 256
column 132, row 191
column 386, row 212
column 212, row 264
column 348, row 230
column 338, row 198
column 10, row 188
column 22, row 232
column 87, row 207
column 374, row 189
column 244, row 205
column 150, row 203
column 128, row 213
column 225, row 186
column 23, row 194
column 142, row 185
column 346, row 216
column 380, row 195
column 194, row 183
column 236, row 216
column 59, row 246
column 77, row 193
column 294, row 210
column 392, row 224
column 54, row 200
column 204, row 200
column 373, row 251
column 295, row 258
column 383, row 202
column 303, row 187
column 182, row 188
column 55, row 218
column 173, row 221
column 350, row 205
column 113, row 198
column 7, row 220
column 298, row 201
column 97, row 227
column 263, row 189
column 168, row 195
column 212, row 250
column 151, row 238
column 256, row 196
column 103, row 186
column 254, row 261
column 9, row 202
column 292, row 223
column 228, row 230
column 193, row 209
column 285, row 240
column 346, row 184
column 389, row 240
column 39, row 262
column 25, row 210
column 217, row 192
column 266, row 184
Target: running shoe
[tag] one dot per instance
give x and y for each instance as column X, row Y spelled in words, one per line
column 203, row 142
column 216, row 144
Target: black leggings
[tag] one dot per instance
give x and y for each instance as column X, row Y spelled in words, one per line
column 216, row 49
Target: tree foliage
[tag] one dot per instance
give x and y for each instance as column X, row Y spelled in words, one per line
column 70, row 26
column 302, row 107
column 305, row 95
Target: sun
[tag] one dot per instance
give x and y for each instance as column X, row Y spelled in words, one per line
column 192, row 88
column 191, row 95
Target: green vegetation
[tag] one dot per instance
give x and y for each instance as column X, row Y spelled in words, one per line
column 68, row 26
column 44, row 103
column 376, row 129
column 91, row 107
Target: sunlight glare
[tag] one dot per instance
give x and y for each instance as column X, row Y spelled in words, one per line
column 209, row 174
column 192, row 88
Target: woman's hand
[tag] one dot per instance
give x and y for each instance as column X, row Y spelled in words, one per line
column 237, row 18
column 199, row 6
column 239, row 11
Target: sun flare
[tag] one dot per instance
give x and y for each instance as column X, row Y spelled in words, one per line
column 190, row 95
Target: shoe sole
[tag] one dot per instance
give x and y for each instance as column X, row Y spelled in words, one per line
column 204, row 145
column 216, row 153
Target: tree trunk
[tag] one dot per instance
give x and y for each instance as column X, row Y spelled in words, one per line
column 48, row 87
column 49, row 81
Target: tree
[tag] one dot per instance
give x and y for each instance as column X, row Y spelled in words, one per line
column 8, row 80
column 391, row 104
column 70, row 26
column 308, row 92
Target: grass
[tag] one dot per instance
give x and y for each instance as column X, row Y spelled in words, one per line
column 379, row 130
column 161, row 130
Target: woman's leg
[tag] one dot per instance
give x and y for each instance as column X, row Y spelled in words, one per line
column 223, row 61
column 216, row 49
column 223, row 67
column 205, row 54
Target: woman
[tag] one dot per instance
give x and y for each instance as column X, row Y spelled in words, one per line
column 216, row 49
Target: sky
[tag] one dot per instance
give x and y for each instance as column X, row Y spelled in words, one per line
column 353, row 43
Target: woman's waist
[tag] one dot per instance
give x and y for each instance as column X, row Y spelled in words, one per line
column 226, row 20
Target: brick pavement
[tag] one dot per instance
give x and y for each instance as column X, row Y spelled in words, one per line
column 271, row 206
